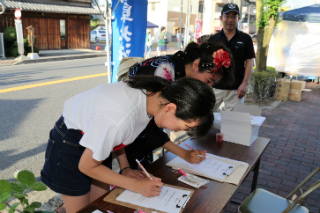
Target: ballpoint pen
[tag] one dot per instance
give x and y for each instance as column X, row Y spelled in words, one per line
column 144, row 169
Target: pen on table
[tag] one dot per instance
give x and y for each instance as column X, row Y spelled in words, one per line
column 144, row 169
column 183, row 172
column 109, row 211
column 193, row 149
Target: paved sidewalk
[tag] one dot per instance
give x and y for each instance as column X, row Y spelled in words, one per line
column 71, row 54
column 294, row 149
column 59, row 55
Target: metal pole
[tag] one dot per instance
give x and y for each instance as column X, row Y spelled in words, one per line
column 108, row 64
column 115, row 7
column 248, row 15
column 180, row 32
column 186, row 37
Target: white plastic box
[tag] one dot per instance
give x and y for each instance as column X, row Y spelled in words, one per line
column 242, row 124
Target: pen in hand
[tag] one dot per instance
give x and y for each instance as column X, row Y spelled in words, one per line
column 193, row 149
column 145, row 171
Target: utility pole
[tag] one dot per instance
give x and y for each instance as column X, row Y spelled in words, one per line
column 106, row 21
column 180, row 32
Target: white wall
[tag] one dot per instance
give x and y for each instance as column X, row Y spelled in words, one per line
column 159, row 16
column 174, row 5
column 207, row 17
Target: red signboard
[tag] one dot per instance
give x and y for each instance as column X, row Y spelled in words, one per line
column 198, row 30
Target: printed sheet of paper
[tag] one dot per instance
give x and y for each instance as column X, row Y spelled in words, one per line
column 167, row 201
column 211, row 168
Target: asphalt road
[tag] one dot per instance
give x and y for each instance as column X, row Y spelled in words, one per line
column 28, row 115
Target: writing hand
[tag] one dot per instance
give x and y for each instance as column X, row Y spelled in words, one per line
column 134, row 173
column 194, row 156
column 242, row 90
column 149, row 188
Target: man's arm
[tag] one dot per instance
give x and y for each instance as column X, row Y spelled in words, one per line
column 243, row 87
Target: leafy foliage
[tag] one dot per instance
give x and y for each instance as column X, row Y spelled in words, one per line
column 26, row 181
column 261, row 84
column 269, row 9
column 93, row 24
column 11, row 44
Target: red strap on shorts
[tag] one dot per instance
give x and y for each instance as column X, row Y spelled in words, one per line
column 116, row 147
column 119, row 147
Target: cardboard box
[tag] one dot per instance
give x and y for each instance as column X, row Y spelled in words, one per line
column 295, row 91
column 303, row 86
column 282, row 90
column 236, row 125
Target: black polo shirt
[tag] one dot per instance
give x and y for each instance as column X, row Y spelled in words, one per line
column 241, row 47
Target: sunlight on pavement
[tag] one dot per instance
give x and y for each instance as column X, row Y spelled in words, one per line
column 51, row 82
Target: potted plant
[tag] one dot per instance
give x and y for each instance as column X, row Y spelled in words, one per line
column 27, row 181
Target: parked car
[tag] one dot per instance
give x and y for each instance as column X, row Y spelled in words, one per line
column 97, row 35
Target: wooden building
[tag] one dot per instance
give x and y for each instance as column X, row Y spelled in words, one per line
column 58, row 24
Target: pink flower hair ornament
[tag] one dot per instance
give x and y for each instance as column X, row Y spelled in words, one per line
column 221, row 58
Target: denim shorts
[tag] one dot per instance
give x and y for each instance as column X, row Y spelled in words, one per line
column 162, row 48
column 60, row 171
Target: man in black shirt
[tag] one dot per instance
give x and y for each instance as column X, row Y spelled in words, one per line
column 241, row 46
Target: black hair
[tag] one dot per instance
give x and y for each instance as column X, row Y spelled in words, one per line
column 162, row 28
column 204, row 52
column 194, row 99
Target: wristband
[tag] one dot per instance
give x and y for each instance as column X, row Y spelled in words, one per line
column 124, row 169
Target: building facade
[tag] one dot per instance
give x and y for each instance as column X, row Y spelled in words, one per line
column 166, row 13
column 58, row 24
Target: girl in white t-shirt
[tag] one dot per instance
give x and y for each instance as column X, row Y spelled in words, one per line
column 109, row 117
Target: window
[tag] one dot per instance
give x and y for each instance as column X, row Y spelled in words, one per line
column 93, row 32
column 102, row 31
column 219, row 8
column 153, row 6
column 200, row 8
column 191, row 9
column 63, row 29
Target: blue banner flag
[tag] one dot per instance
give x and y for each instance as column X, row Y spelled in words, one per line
column 128, row 31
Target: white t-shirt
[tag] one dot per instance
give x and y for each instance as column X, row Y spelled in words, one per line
column 110, row 115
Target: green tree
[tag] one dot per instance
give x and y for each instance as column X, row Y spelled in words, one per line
column 266, row 16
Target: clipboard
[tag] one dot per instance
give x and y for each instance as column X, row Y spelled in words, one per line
column 112, row 196
column 233, row 177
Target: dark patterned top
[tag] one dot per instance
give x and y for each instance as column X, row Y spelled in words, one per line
column 170, row 67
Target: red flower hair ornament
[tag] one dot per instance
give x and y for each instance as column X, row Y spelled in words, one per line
column 221, row 58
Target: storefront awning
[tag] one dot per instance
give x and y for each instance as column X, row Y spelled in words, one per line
column 48, row 8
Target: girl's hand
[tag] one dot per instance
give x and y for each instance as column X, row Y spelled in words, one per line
column 194, row 156
column 149, row 188
column 134, row 173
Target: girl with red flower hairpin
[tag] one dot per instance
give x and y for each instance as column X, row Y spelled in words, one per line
column 196, row 62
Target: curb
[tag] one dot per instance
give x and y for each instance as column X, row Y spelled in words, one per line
column 61, row 58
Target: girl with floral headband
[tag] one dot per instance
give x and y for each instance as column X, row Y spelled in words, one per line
column 210, row 62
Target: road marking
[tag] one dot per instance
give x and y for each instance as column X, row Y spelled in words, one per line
column 51, row 82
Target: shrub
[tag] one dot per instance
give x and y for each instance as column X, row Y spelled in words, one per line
column 14, row 52
column 9, row 34
column 262, row 83
column 26, row 182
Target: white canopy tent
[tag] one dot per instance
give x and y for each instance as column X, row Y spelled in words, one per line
column 295, row 45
